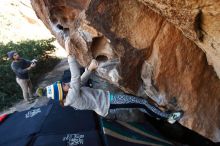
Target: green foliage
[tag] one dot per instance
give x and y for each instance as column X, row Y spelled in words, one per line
column 29, row 49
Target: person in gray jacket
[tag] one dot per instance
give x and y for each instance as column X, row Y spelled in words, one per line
column 102, row 102
column 21, row 67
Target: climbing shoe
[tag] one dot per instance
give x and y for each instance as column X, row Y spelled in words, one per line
column 175, row 116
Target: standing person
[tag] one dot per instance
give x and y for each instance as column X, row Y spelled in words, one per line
column 21, row 67
column 102, row 102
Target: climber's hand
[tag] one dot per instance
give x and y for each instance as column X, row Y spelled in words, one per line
column 93, row 65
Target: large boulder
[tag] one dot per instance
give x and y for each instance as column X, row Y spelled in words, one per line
column 198, row 20
column 148, row 51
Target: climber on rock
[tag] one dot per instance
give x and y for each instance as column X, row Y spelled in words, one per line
column 102, row 102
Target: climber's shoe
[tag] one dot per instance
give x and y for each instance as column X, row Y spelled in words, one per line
column 175, row 116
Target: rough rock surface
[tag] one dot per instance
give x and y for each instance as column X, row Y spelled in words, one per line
column 198, row 20
column 148, row 48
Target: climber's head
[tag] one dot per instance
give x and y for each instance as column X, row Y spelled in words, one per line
column 65, row 87
column 56, row 91
column 66, row 77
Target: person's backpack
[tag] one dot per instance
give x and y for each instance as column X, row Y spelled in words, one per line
column 66, row 77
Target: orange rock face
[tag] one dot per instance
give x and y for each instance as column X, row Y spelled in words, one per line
column 198, row 20
column 143, row 52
